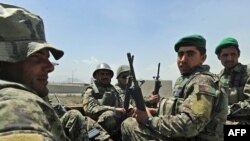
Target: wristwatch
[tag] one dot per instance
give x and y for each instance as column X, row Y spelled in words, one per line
column 149, row 122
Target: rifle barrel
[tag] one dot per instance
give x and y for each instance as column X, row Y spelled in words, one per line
column 137, row 94
column 158, row 71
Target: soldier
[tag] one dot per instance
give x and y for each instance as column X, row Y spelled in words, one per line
column 198, row 109
column 24, row 69
column 102, row 102
column 121, row 75
column 234, row 79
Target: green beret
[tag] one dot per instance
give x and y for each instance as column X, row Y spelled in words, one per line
column 227, row 42
column 192, row 40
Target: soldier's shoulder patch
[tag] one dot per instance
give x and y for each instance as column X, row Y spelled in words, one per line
column 202, row 105
column 207, row 89
column 204, row 84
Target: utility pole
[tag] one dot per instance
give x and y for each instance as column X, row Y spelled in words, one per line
column 72, row 75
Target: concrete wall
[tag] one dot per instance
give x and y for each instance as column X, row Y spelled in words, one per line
column 66, row 87
column 76, row 88
column 165, row 90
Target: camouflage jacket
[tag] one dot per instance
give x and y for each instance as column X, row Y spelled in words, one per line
column 236, row 83
column 23, row 112
column 120, row 90
column 122, row 93
column 94, row 97
column 198, row 108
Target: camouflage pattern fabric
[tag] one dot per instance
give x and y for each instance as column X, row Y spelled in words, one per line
column 26, row 113
column 121, row 91
column 195, row 113
column 77, row 126
column 236, row 83
column 132, row 102
column 105, row 115
column 22, row 34
column 122, row 95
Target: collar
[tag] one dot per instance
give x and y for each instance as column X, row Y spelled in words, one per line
column 199, row 68
column 5, row 84
column 236, row 68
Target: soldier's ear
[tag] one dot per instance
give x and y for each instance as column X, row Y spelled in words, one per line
column 218, row 56
column 203, row 57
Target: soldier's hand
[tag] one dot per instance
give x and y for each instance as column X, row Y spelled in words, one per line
column 142, row 116
column 130, row 112
column 122, row 110
column 152, row 111
column 154, row 98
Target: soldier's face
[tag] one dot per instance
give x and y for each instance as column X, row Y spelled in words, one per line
column 122, row 79
column 33, row 72
column 229, row 57
column 103, row 77
column 188, row 58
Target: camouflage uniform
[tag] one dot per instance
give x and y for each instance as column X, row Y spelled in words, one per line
column 198, row 111
column 236, row 84
column 120, row 90
column 77, row 126
column 122, row 94
column 123, row 69
column 104, row 114
column 39, row 118
column 24, row 115
column 27, row 114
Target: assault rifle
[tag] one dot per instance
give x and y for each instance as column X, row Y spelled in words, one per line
column 59, row 108
column 157, row 84
column 157, row 81
column 235, row 110
column 128, row 92
column 135, row 90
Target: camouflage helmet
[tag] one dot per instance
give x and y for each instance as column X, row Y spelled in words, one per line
column 121, row 69
column 22, row 34
column 103, row 66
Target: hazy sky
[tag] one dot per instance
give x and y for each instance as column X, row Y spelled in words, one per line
column 95, row 31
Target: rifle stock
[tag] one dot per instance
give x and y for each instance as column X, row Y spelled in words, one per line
column 135, row 90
